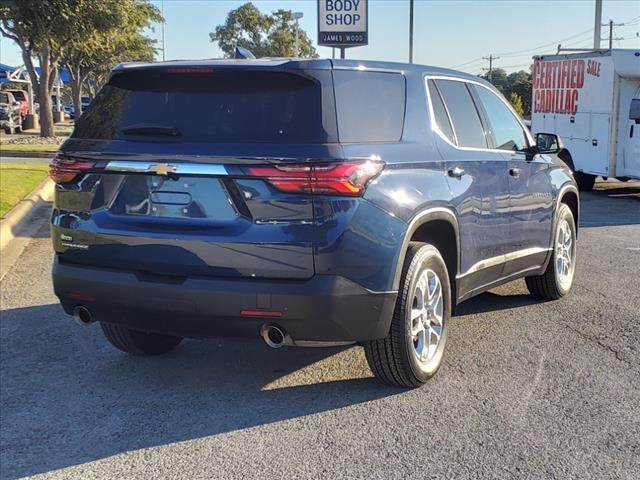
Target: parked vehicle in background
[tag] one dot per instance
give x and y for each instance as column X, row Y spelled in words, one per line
column 70, row 109
column 313, row 203
column 21, row 96
column 591, row 100
column 10, row 118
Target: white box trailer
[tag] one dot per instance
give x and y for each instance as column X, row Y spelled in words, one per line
column 591, row 100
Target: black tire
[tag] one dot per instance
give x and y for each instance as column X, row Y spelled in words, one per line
column 585, row 181
column 138, row 343
column 393, row 360
column 8, row 130
column 548, row 286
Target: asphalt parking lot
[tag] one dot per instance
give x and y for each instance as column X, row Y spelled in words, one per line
column 528, row 389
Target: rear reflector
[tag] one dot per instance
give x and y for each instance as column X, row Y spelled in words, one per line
column 260, row 313
column 348, row 178
column 66, row 169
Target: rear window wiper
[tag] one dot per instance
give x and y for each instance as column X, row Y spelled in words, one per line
column 154, row 130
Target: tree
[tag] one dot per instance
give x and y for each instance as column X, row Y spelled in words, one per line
column 90, row 59
column 43, row 29
column 517, row 82
column 264, row 35
column 516, row 103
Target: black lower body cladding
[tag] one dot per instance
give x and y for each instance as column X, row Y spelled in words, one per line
column 323, row 308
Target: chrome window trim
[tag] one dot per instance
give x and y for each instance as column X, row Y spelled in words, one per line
column 436, row 129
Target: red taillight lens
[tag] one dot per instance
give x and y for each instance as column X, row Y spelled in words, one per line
column 349, row 178
column 66, row 169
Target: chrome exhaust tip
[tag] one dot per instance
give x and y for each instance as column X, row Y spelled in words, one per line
column 274, row 336
column 82, row 315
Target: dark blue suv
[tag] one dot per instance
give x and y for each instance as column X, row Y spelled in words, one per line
column 311, row 202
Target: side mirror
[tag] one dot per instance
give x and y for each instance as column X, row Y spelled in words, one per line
column 16, row 104
column 634, row 111
column 548, row 143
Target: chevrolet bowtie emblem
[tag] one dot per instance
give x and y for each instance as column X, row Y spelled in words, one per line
column 162, row 169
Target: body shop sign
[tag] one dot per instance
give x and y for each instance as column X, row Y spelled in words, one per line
column 342, row 23
column 557, row 84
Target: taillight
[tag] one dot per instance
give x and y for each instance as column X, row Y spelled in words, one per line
column 66, row 169
column 348, row 178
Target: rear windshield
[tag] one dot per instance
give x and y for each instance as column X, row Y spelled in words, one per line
column 212, row 107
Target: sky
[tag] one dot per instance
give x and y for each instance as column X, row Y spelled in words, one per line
column 452, row 33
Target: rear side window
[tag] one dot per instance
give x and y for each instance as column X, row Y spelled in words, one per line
column 4, row 98
column 507, row 132
column 369, row 105
column 463, row 112
column 442, row 119
column 232, row 106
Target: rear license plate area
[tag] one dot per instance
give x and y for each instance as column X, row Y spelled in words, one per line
column 178, row 197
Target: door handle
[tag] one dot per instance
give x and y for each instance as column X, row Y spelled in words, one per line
column 514, row 172
column 456, row 172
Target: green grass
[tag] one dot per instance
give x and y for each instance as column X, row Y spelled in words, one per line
column 63, row 131
column 17, row 180
column 23, row 147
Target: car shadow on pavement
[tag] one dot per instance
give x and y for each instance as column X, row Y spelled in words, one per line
column 611, row 206
column 491, row 302
column 68, row 397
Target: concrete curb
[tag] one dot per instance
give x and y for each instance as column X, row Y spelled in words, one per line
column 22, row 154
column 19, row 215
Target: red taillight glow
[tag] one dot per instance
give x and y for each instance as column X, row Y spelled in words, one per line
column 66, row 169
column 349, row 178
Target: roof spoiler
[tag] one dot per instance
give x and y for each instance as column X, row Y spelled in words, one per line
column 243, row 53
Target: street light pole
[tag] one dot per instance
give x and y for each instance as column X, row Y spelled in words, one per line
column 162, row 14
column 297, row 16
column 596, row 25
column 410, row 31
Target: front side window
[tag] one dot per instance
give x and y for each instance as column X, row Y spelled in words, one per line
column 463, row 112
column 506, row 131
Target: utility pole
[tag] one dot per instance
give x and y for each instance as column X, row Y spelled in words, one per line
column 410, row 31
column 596, row 25
column 611, row 25
column 491, row 58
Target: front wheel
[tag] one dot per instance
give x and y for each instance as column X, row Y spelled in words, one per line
column 136, row 342
column 413, row 350
column 557, row 279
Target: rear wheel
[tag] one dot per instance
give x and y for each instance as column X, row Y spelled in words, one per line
column 557, row 279
column 138, row 343
column 414, row 348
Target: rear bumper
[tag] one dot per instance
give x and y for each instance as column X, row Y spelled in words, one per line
column 323, row 308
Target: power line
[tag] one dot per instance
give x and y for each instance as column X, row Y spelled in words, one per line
column 491, row 58
column 527, row 51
